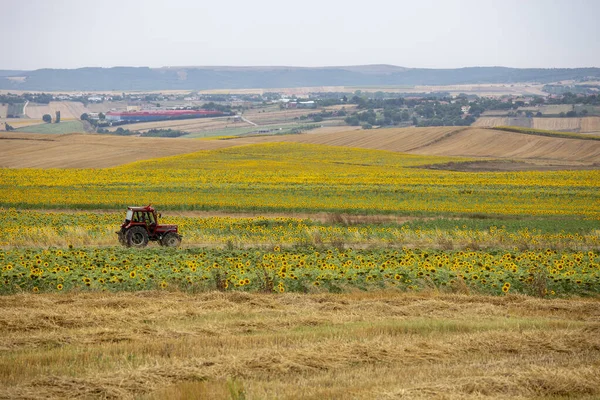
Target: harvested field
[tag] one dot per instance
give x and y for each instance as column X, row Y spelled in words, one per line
column 335, row 129
column 557, row 124
column 97, row 151
column 275, row 115
column 68, row 110
column 157, row 345
column 503, row 121
column 580, row 125
column 555, row 109
column 194, row 125
column 21, row 122
column 461, row 142
column 28, row 150
column 394, row 139
column 498, row 144
column 590, row 125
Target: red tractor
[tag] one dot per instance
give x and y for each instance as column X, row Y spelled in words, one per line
column 141, row 225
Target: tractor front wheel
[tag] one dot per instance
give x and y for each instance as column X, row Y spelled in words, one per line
column 171, row 239
column 137, row 237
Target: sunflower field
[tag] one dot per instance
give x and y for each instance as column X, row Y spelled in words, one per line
column 30, row 228
column 542, row 273
column 534, row 233
column 309, row 178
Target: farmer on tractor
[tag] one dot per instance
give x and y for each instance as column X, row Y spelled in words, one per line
column 141, row 225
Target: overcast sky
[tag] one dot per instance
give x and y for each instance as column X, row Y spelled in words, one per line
column 423, row 33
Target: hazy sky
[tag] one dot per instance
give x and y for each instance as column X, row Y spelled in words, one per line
column 419, row 33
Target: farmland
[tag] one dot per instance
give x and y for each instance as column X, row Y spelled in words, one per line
column 68, row 110
column 97, row 151
column 25, row 150
column 52, row 128
column 166, row 344
column 589, row 125
column 303, row 177
column 336, row 264
column 45, row 228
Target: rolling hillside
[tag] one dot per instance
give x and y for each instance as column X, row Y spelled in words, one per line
column 28, row 150
column 579, row 125
column 22, row 150
column 222, row 77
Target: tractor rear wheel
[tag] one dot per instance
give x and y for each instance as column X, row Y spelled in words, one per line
column 171, row 239
column 137, row 237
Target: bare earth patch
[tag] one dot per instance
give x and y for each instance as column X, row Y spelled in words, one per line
column 507, row 166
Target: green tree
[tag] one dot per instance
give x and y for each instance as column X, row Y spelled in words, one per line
column 57, row 119
column 84, row 117
column 101, row 116
column 47, row 118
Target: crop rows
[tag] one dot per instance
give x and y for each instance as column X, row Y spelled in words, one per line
column 61, row 229
column 293, row 177
column 542, row 273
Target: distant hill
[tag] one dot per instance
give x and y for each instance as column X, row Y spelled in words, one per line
column 199, row 78
column 11, row 72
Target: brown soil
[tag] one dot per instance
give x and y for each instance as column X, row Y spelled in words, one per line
column 506, row 166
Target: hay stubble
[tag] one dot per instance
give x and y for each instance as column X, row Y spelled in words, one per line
column 356, row 345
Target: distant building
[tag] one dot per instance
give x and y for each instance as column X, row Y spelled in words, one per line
column 306, row 104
